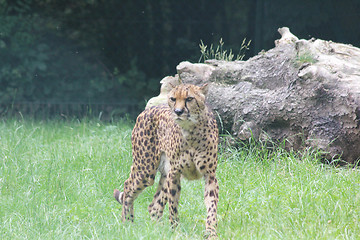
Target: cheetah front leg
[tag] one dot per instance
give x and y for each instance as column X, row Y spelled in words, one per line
column 211, row 196
column 173, row 192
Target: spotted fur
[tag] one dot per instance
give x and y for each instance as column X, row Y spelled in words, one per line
column 178, row 140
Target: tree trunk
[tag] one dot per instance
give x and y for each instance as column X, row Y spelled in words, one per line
column 304, row 91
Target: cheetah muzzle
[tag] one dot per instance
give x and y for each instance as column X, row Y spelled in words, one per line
column 178, row 140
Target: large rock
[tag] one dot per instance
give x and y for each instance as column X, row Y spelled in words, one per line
column 304, row 91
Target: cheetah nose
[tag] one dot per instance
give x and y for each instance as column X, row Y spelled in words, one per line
column 179, row 111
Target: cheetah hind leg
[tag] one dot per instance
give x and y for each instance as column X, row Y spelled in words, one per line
column 127, row 211
column 156, row 208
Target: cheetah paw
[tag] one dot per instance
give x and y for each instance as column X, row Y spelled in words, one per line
column 210, row 235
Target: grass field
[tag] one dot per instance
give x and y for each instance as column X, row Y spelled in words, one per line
column 57, row 179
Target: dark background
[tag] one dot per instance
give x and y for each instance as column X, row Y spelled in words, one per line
column 75, row 57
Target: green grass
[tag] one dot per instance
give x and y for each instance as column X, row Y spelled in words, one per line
column 303, row 58
column 57, row 179
column 220, row 53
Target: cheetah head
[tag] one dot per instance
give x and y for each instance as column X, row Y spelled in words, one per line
column 187, row 103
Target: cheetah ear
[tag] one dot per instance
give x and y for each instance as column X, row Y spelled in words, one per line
column 205, row 88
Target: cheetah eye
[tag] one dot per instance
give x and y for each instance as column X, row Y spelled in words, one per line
column 173, row 99
column 189, row 99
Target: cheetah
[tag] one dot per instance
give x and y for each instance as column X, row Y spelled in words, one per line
column 167, row 84
column 179, row 141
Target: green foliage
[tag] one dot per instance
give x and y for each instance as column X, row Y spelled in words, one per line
column 220, row 53
column 18, row 52
column 44, row 62
column 35, row 69
column 57, row 179
column 117, row 51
